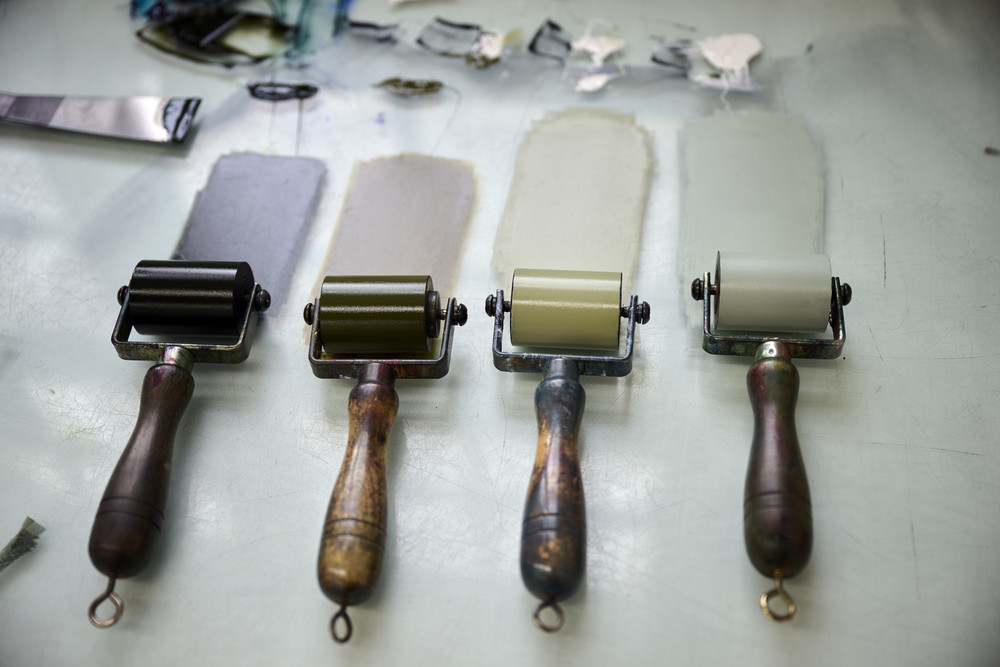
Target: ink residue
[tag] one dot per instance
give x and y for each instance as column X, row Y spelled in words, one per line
column 410, row 87
column 221, row 34
column 551, row 41
column 278, row 92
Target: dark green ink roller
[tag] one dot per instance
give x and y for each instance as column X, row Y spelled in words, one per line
column 375, row 329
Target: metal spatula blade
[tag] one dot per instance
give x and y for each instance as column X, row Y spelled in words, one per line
column 156, row 119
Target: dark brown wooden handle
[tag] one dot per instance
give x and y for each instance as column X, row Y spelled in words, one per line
column 130, row 514
column 350, row 554
column 777, row 512
column 554, row 532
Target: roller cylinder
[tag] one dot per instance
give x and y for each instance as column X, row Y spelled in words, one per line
column 378, row 315
column 565, row 309
column 180, row 298
column 772, row 292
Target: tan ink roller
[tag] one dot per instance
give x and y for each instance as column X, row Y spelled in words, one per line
column 768, row 304
column 578, row 313
column 375, row 329
column 209, row 312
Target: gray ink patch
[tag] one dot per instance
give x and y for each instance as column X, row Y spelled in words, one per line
column 256, row 209
column 404, row 214
column 990, row 150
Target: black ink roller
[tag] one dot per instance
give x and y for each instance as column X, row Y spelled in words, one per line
column 209, row 311
column 765, row 303
column 375, row 329
column 577, row 313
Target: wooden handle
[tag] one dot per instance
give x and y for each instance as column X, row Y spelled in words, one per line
column 350, row 554
column 777, row 512
column 554, row 533
column 130, row 514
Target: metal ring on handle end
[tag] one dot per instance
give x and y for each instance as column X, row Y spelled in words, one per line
column 777, row 591
column 108, row 594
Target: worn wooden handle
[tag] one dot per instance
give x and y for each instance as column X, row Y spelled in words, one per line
column 130, row 514
column 777, row 512
column 554, row 533
column 350, row 554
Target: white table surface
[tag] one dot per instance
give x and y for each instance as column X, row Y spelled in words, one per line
column 899, row 436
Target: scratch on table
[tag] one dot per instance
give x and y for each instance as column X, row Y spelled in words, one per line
column 243, row 545
column 884, row 270
column 966, row 356
column 503, row 442
column 271, row 496
column 917, row 446
column 954, row 451
column 875, row 343
column 863, row 544
column 451, row 119
column 913, row 543
column 449, row 481
column 619, row 396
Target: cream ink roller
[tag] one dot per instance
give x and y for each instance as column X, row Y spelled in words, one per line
column 577, row 313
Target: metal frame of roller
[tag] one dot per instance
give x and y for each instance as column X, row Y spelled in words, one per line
column 553, row 532
column 366, row 318
column 194, row 300
column 777, row 508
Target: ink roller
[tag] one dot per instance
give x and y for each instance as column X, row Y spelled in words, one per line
column 375, row 329
column 774, row 307
column 576, row 315
column 208, row 311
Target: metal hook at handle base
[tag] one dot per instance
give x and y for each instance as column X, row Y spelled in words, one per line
column 553, row 535
column 108, row 594
column 777, row 519
column 341, row 615
column 353, row 542
column 547, row 627
column 777, row 591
